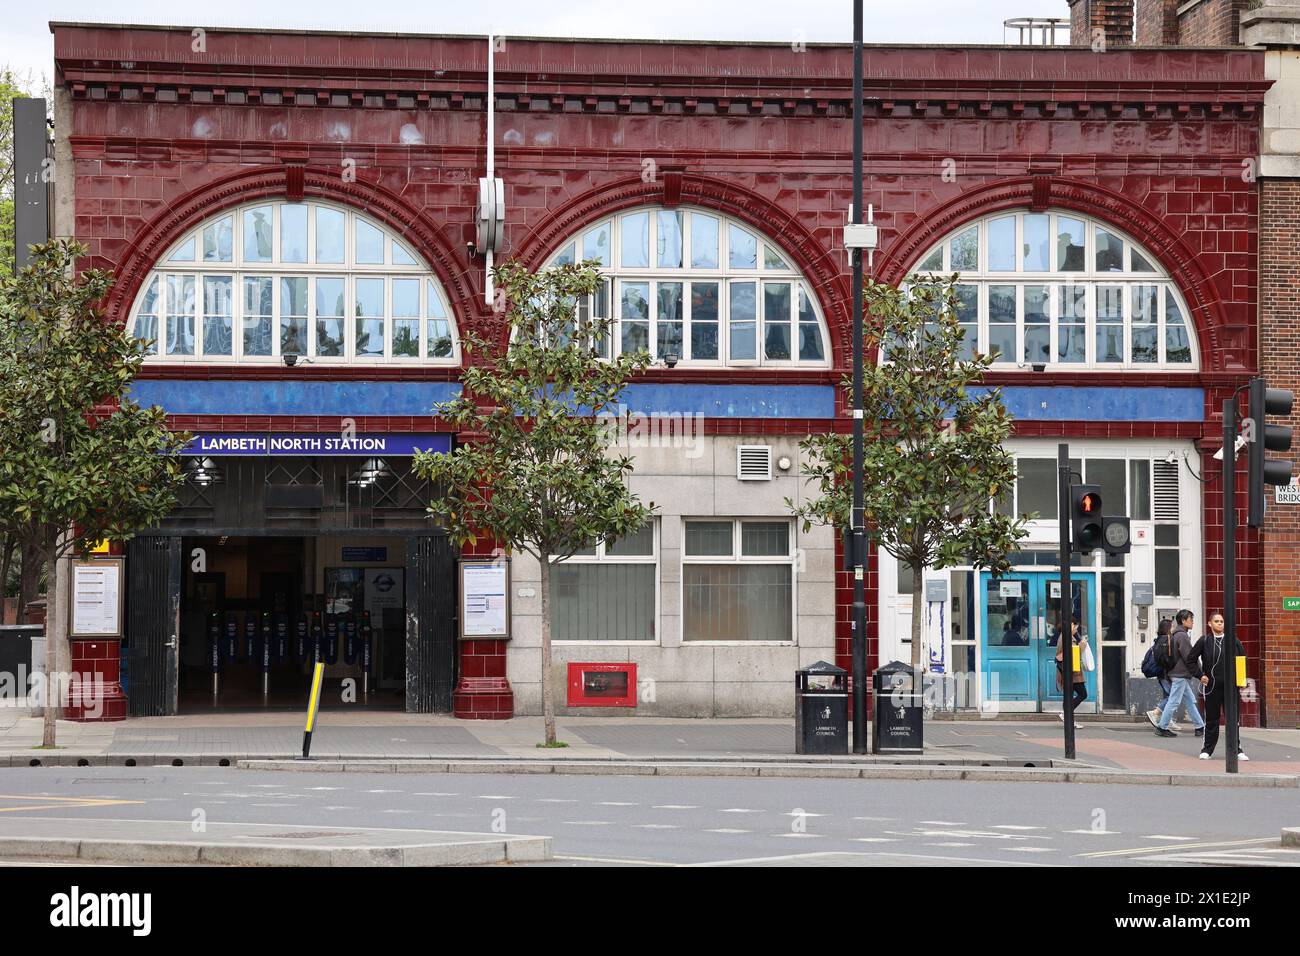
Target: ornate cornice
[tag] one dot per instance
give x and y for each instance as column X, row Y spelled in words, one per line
column 913, row 99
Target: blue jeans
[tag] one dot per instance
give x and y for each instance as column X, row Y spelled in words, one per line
column 1183, row 687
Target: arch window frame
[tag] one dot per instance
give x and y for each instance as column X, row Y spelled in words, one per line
column 1040, row 295
column 401, row 291
column 756, row 313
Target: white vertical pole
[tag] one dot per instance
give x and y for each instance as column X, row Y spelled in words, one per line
column 491, row 157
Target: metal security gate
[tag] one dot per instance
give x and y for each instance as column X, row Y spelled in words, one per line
column 430, row 624
column 153, row 569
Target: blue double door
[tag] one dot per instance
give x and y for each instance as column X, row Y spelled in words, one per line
column 1019, row 615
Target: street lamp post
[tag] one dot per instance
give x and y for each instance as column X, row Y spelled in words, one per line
column 859, row 536
column 858, row 237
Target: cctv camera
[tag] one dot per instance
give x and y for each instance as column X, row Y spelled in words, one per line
column 1236, row 449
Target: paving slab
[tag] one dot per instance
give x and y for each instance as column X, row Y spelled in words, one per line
column 746, row 768
column 253, row 844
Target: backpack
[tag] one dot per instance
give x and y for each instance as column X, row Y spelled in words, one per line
column 1149, row 666
column 1163, row 653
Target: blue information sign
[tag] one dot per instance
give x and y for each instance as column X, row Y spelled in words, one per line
column 213, row 444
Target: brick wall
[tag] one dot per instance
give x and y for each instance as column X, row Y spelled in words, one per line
column 1156, row 22
column 1279, row 362
column 1113, row 17
column 1211, row 23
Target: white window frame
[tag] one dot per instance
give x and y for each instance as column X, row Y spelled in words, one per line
column 895, row 608
column 724, row 275
column 600, row 557
column 790, row 560
column 238, row 269
column 1056, row 279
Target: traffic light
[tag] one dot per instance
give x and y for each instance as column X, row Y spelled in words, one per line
column 1085, row 518
column 1264, row 437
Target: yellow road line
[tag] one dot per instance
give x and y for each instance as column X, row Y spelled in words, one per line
column 1179, row 846
column 60, row 802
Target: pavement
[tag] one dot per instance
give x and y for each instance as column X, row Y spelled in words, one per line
column 224, row 738
column 178, row 842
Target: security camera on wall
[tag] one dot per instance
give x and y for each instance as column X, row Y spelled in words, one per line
column 1236, row 449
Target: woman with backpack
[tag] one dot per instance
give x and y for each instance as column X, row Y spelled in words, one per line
column 1186, row 675
column 1160, row 650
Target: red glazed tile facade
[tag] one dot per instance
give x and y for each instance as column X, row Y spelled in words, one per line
column 1152, row 142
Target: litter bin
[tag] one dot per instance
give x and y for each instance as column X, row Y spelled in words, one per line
column 900, row 711
column 821, row 709
column 17, row 644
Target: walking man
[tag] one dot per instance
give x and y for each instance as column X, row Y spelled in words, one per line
column 1186, row 676
column 1209, row 651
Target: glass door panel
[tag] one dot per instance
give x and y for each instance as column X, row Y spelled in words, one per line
column 1010, row 656
column 1049, row 598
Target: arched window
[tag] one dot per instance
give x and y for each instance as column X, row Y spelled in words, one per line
column 699, row 289
column 1061, row 290
column 310, row 281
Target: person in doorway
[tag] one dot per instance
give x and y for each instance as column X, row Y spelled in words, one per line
column 1209, row 652
column 1078, row 682
column 1186, row 676
column 1163, row 632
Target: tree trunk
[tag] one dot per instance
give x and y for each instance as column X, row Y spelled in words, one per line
column 548, row 691
column 53, row 657
column 29, row 576
column 918, row 586
column 6, row 562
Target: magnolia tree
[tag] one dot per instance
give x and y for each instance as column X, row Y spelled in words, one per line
column 538, row 475
column 934, row 460
column 79, row 463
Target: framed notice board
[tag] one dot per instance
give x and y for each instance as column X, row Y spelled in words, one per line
column 97, row 598
column 484, row 599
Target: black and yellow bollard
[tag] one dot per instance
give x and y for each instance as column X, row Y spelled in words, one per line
column 313, row 705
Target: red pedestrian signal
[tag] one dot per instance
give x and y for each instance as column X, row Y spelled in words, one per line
column 1085, row 518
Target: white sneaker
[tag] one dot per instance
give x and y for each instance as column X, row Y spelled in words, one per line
column 1242, row 756
column 1204, row 755
column 1060, row 715
column 1173, row 725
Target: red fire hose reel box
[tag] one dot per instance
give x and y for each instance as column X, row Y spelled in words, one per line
column 602, row 685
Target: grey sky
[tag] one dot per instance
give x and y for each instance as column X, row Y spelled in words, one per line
column 25, row 42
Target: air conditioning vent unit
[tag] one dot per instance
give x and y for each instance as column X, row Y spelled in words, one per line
column 754, row 462
column 1165, row 497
